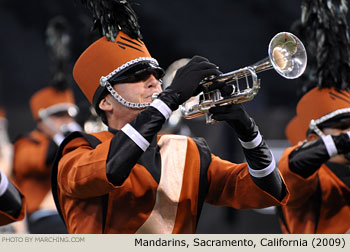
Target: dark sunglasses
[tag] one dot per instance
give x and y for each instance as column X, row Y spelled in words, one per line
column 138, row 73
column 337, row 123
column 60, row 114
column 342, row 125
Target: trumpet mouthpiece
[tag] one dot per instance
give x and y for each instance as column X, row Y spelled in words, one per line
column 154, row 96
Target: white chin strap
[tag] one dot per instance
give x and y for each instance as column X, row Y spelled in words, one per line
column 313, row 126
column 313, row 123
column 126, row 103
column 104, row 82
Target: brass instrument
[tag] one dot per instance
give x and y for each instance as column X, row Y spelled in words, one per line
column 286, row 54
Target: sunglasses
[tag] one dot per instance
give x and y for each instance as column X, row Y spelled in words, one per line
column 61, row 114
column 342, row 124
column 138, row 73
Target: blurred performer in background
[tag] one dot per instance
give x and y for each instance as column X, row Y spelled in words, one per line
column 12, row 204
column 128, row 179
column 94, row 123
column 317, row 167
column 53, row 109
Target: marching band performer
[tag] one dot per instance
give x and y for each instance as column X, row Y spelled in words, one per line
column 131, row 180
column 53, row 109
column 317, row 166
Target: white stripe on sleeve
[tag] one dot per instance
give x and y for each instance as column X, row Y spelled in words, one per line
column 264, row 172
column 330, row 146
column 135, row 136
column 252, row 144
column 162, row 108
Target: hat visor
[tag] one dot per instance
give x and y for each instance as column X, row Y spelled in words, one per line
column 136, row 73
column 58, row 109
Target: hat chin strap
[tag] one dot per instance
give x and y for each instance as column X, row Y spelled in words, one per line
column 104, row 83
column 313, row 126
column 126, row 103
column 313, row 123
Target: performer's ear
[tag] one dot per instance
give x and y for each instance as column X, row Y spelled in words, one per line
column 105, row 104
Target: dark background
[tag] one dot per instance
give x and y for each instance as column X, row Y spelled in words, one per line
column 231, row 34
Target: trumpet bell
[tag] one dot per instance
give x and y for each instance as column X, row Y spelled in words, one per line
column 287, row 55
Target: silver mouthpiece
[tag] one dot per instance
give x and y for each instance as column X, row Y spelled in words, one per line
column 154, row 96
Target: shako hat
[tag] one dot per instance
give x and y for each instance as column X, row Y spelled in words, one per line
column 49, row 101
column 321, row 107
column 119, row 56
column 113, row 61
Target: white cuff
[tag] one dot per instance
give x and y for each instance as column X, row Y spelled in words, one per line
column 162, row 108
column 74, row 126
column 330, row 146
column 264, row 172
column 252, row 144
column 135, row 136
column 4, row 183
column 58, row 138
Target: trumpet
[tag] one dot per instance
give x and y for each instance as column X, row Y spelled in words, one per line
column 286, row 55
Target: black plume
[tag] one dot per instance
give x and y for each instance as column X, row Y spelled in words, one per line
column 308, row 79
column 58, row 40
column 327, row 40
column 110, row 16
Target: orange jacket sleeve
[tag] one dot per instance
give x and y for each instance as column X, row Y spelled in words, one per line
column 82, row 169
column 231, row 185
column 301, row 189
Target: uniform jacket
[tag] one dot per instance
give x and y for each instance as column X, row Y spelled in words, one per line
column 317, row 204
column 164, row 192
column 32, row 167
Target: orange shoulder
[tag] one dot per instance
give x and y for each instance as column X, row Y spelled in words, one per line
column 80, row 142
column 103, row 135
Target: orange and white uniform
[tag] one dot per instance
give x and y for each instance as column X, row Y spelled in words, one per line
column 317, row 204
column 319, row 188
column 133, row 181
column 163, row 193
